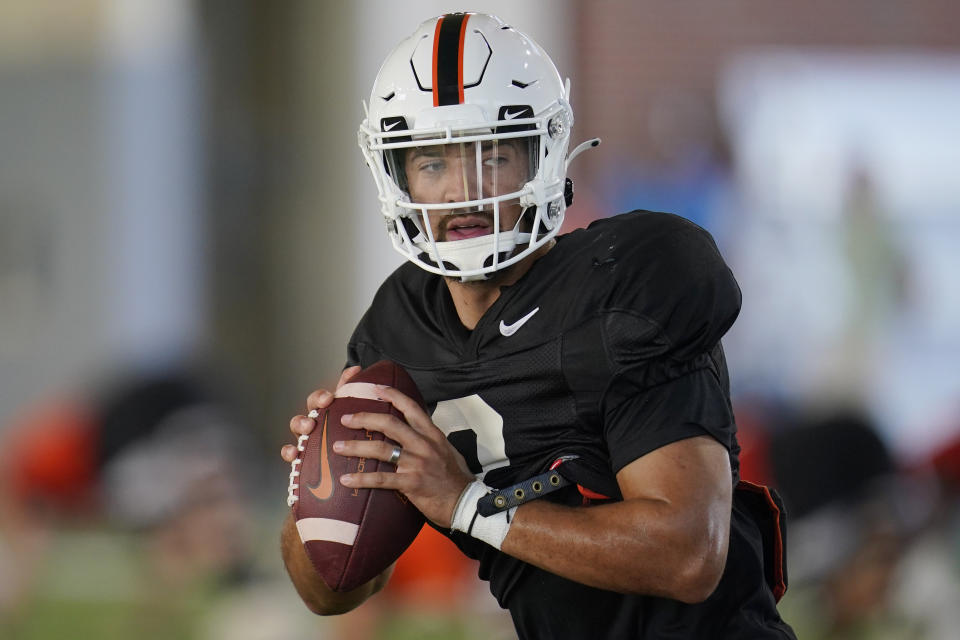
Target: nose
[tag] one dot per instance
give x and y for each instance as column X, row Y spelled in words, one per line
column 460, row 180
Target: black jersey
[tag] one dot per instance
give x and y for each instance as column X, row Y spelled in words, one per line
column 606, row 349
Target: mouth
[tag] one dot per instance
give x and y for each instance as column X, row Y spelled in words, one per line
column 461, row 227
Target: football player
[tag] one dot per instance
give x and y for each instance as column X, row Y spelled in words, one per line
column 580, row 441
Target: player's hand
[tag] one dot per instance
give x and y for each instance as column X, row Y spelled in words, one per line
column 430, row 471
column 303, row 425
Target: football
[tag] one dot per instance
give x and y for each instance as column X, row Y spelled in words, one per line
column 351, row 535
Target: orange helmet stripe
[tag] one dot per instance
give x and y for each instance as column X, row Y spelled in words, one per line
column 448, row 43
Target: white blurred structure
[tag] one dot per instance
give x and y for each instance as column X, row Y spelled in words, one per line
column 154, row 238
column 100, row 192
column 847, row 245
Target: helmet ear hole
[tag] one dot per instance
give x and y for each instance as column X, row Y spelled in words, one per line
column 568, row 192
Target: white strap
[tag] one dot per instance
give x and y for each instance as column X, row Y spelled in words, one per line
column 491, row 529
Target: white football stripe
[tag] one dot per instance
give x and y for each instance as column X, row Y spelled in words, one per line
column 327, row 530
column 366, row 390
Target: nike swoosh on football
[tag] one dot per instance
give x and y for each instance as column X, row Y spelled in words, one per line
column 510, row 329
column 325, row 488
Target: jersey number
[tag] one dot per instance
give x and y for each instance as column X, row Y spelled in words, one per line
column 476, row 430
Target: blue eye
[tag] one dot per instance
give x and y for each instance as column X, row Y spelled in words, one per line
column 437, row 165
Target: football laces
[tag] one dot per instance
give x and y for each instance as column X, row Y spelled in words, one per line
column 295, row 472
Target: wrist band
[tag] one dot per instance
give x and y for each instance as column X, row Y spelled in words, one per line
column 490, row 529
column 530, row 489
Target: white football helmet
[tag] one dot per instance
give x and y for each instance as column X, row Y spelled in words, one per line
column 471, row 101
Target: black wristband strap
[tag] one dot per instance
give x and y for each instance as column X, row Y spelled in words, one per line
column 530, row 489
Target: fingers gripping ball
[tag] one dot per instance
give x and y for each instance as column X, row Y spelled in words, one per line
column 351, row 535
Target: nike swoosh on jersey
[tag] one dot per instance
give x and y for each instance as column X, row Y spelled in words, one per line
column 325, row 488
column 508, row 330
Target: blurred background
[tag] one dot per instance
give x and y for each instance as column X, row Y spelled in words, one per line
column 188, row 234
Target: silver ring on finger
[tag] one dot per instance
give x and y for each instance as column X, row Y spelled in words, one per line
column 395, row 456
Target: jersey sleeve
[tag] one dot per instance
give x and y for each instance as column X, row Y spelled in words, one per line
column 690, row 400
column 662, row 340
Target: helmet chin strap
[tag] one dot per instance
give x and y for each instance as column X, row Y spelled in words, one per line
column 474, row 253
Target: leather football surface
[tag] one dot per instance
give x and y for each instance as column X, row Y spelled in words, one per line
column 351, row 535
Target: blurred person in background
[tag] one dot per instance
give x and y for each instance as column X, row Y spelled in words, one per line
column 927, row 589
column 596, row 354
column 880, row 287
column 125, row 512
column 854, row 516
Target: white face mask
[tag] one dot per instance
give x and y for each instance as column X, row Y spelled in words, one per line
column 464, row 200
column 497, row 177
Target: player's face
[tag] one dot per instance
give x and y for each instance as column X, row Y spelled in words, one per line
column 461, row 172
